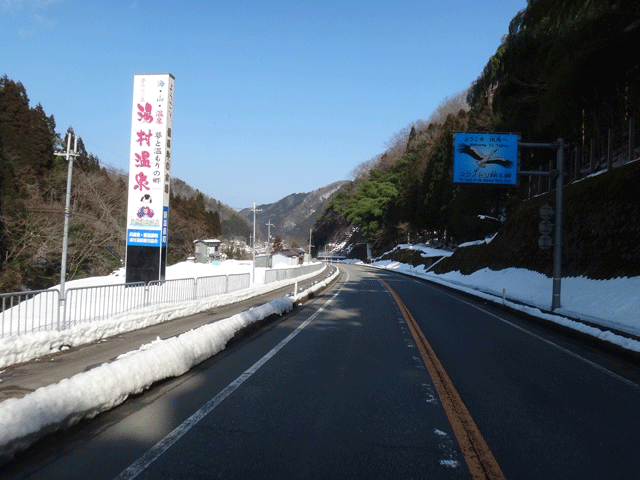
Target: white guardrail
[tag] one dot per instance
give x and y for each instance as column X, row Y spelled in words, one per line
column 43, row 310
column 279, row 274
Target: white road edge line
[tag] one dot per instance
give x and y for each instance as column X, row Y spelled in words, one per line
column 565, row 350
column 137, row 467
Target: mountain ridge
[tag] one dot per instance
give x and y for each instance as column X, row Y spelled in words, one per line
column 293, row 216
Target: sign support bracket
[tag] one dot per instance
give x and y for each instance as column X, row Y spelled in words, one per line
column 558, row 174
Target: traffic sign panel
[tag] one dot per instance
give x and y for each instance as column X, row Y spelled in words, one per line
column 546, row 211
column 545, row 242
column 545, row 227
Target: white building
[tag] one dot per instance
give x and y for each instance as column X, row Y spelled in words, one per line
column 287, row 257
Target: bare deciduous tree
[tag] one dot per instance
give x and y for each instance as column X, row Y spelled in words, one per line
column 416, row 131
column 450, row 106
column 361, row 171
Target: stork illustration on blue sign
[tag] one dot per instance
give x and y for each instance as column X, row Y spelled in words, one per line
column 490, row 158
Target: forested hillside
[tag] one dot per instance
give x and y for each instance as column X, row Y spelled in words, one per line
column 560, row 72
column 33, row 185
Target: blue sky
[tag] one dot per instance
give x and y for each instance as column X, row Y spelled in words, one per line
column 271, row 98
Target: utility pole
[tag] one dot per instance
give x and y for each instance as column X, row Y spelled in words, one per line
column 253, row 266
column 310, row 230
column 269, row 225
column 69, row 156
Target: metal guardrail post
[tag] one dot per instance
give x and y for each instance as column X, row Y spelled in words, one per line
column 610, row 150
column 632, row 139
column 57, row 315
column 62, row 311
column 557, row 252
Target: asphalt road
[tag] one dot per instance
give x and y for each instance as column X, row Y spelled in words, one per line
column 341, row 388
column 548, row 406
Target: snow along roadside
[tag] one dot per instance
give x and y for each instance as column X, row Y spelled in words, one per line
column 26, row 347
column 85, row 395
column 601, row 333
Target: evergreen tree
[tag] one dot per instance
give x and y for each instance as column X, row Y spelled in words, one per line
column 215, row 225
column 368, row 207
column 26, row 134
column 6, row 182
column 196, row 208
column 51, row 127
column 277, row 244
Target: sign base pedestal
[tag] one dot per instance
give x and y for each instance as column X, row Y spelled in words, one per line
column 145, row 264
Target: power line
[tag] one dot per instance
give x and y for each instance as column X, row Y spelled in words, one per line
column 60, row 211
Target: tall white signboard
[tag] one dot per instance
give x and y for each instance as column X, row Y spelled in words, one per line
column 149, row 176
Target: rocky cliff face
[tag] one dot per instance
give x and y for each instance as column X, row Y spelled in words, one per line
column 292, row 217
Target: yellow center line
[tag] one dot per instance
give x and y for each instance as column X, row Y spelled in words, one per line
column 480, row 461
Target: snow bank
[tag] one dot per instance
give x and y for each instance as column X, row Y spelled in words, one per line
column 425, row 250
column 613, row 303
column 88, row 393
column 85, row 395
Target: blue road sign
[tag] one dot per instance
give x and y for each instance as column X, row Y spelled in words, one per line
column 488, row 158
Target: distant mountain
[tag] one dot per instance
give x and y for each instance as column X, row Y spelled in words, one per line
column 292, row 217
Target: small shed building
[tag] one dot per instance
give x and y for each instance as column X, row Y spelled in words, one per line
column 286, row 257
column 207, row 251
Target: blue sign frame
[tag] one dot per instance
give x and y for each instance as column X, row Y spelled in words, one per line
column 143, row 238
column 486, row 158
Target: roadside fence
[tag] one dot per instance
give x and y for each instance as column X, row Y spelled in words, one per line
column 614, row 149
column 44, row 310
column 31, row 311
column 278, row 274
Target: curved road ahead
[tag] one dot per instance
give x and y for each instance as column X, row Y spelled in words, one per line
column 380, row 376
